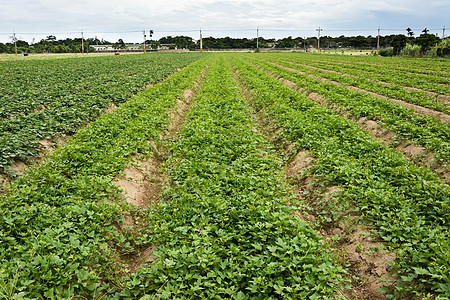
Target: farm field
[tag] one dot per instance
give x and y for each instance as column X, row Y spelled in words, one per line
column 45, row 98
column 235, row 176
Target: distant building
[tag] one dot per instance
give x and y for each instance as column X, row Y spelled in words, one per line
column 131, row 47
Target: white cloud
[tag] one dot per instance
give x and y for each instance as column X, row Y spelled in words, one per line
column 112, row 19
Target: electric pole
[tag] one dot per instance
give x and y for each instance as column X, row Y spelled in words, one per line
column 257, row 37
column 82, row 42
column 15, row 42
column 443, row 33
column 143, row 32
column 201, row 41
column 318, row 38
column 378, row 40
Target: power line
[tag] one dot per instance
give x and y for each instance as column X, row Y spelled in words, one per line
column 231, row 31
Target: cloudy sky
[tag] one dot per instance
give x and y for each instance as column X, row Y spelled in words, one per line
column 114, row 19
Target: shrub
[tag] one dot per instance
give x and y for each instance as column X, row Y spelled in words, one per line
column 386, row 52
column 411, row 50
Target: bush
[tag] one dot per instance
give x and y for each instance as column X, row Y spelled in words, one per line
column 386, row 52
column 411, row 50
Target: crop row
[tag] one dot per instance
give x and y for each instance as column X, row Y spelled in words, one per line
column 226, row 232
column 424, row 130
column 432, row 66
column 43, row 98
column 426, row 82
column 57, row 226
column 360, row 81
column 408, row 205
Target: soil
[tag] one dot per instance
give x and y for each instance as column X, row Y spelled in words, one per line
column 143, row 181
column 111, row 108
column 137, row 260
column 19, row 167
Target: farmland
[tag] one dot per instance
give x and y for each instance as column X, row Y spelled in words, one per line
column 43, row 99
column 235, row 176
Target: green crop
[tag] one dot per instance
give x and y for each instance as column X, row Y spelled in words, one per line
column 58, row 232
column 408, row 205
column 40, row 99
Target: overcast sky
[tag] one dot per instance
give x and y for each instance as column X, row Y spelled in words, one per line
column 114, row 19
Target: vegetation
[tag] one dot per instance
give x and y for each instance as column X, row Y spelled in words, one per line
column 424, row 130
column 396, row 42
column 59, row 227
column 228, row 225
column 73, row 92
column 226, row 232
column 409, row 205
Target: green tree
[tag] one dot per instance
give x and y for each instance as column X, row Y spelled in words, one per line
column 398, row 42
column 425, row 41
column 50, row 38
column 3, row 48
column 120, row 44
column 409, row 32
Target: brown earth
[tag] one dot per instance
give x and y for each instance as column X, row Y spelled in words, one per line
column 143, row 181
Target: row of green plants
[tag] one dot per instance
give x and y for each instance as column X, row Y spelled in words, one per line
column 390, row 90
column 408, row 206
column 225, row 231
column 45, row 98
column 59, row 224
column 400, row 77
column 429, row 66
column 423, row 130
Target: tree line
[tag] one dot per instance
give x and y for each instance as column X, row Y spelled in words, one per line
column 396, row 42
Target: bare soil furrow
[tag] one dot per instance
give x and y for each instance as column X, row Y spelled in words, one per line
column 143, row 181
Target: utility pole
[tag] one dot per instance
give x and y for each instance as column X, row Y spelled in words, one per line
column 318, row 38
column 257, row 37
column 443, row 33
column 378, row 40
column 82, row 42
column 143, row 32
column 201, row 41
column 15, row 42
